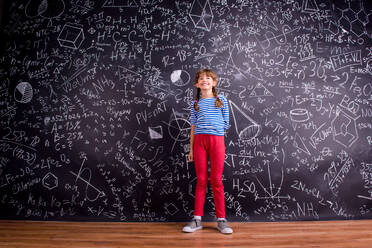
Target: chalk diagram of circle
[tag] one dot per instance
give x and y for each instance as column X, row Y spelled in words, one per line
column 180, row 77
column 23, row 93
column 179, row 129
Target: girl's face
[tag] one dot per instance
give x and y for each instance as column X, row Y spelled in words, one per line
column 205, row 82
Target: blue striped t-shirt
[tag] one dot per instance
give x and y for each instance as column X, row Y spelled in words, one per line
column 210, row 119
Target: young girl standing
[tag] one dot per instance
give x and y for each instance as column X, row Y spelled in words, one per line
column 209, row 120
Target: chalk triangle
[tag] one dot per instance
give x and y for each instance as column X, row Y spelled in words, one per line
column 260, row 90
column 310, row 6
column 299, row 144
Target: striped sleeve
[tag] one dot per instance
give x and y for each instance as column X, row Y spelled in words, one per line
column 225, row 112
column 192, row 115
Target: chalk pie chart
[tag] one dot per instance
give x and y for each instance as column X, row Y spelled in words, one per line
column 23, row 92
column 180, row 77
column 179, row 129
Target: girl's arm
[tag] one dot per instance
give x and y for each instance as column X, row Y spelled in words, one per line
column 191, row 153
column 225, row 113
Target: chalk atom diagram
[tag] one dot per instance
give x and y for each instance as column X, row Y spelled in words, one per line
column 91, row 192
column 201, row 14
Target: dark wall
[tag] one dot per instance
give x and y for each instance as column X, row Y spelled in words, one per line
column 95, row 99
column 1, row 9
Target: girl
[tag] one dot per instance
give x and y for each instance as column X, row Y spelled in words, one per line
column 209, row 119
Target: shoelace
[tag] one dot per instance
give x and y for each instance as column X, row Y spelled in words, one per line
column 196, row 222
column 224, row 223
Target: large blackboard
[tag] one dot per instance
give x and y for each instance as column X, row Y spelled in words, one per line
column 95, row 99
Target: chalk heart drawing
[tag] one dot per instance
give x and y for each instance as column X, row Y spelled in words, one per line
column 245, row 126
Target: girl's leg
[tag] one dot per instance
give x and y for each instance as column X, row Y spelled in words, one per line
column 201, row 168
column 217, row 157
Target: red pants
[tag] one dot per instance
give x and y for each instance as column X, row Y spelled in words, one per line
column 213, row 146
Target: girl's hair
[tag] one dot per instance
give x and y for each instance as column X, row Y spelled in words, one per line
column 213, row 75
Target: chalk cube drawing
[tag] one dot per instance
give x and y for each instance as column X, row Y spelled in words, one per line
column 201, row 14
column 71, row 36
column 50, row 181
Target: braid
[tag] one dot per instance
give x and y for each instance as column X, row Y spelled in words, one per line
column 196, row 107
column 219, row 102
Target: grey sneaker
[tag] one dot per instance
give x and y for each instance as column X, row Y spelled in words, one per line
column 192, row 226
column 223, row 227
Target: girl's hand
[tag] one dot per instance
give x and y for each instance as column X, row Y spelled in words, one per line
column 191, row 156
